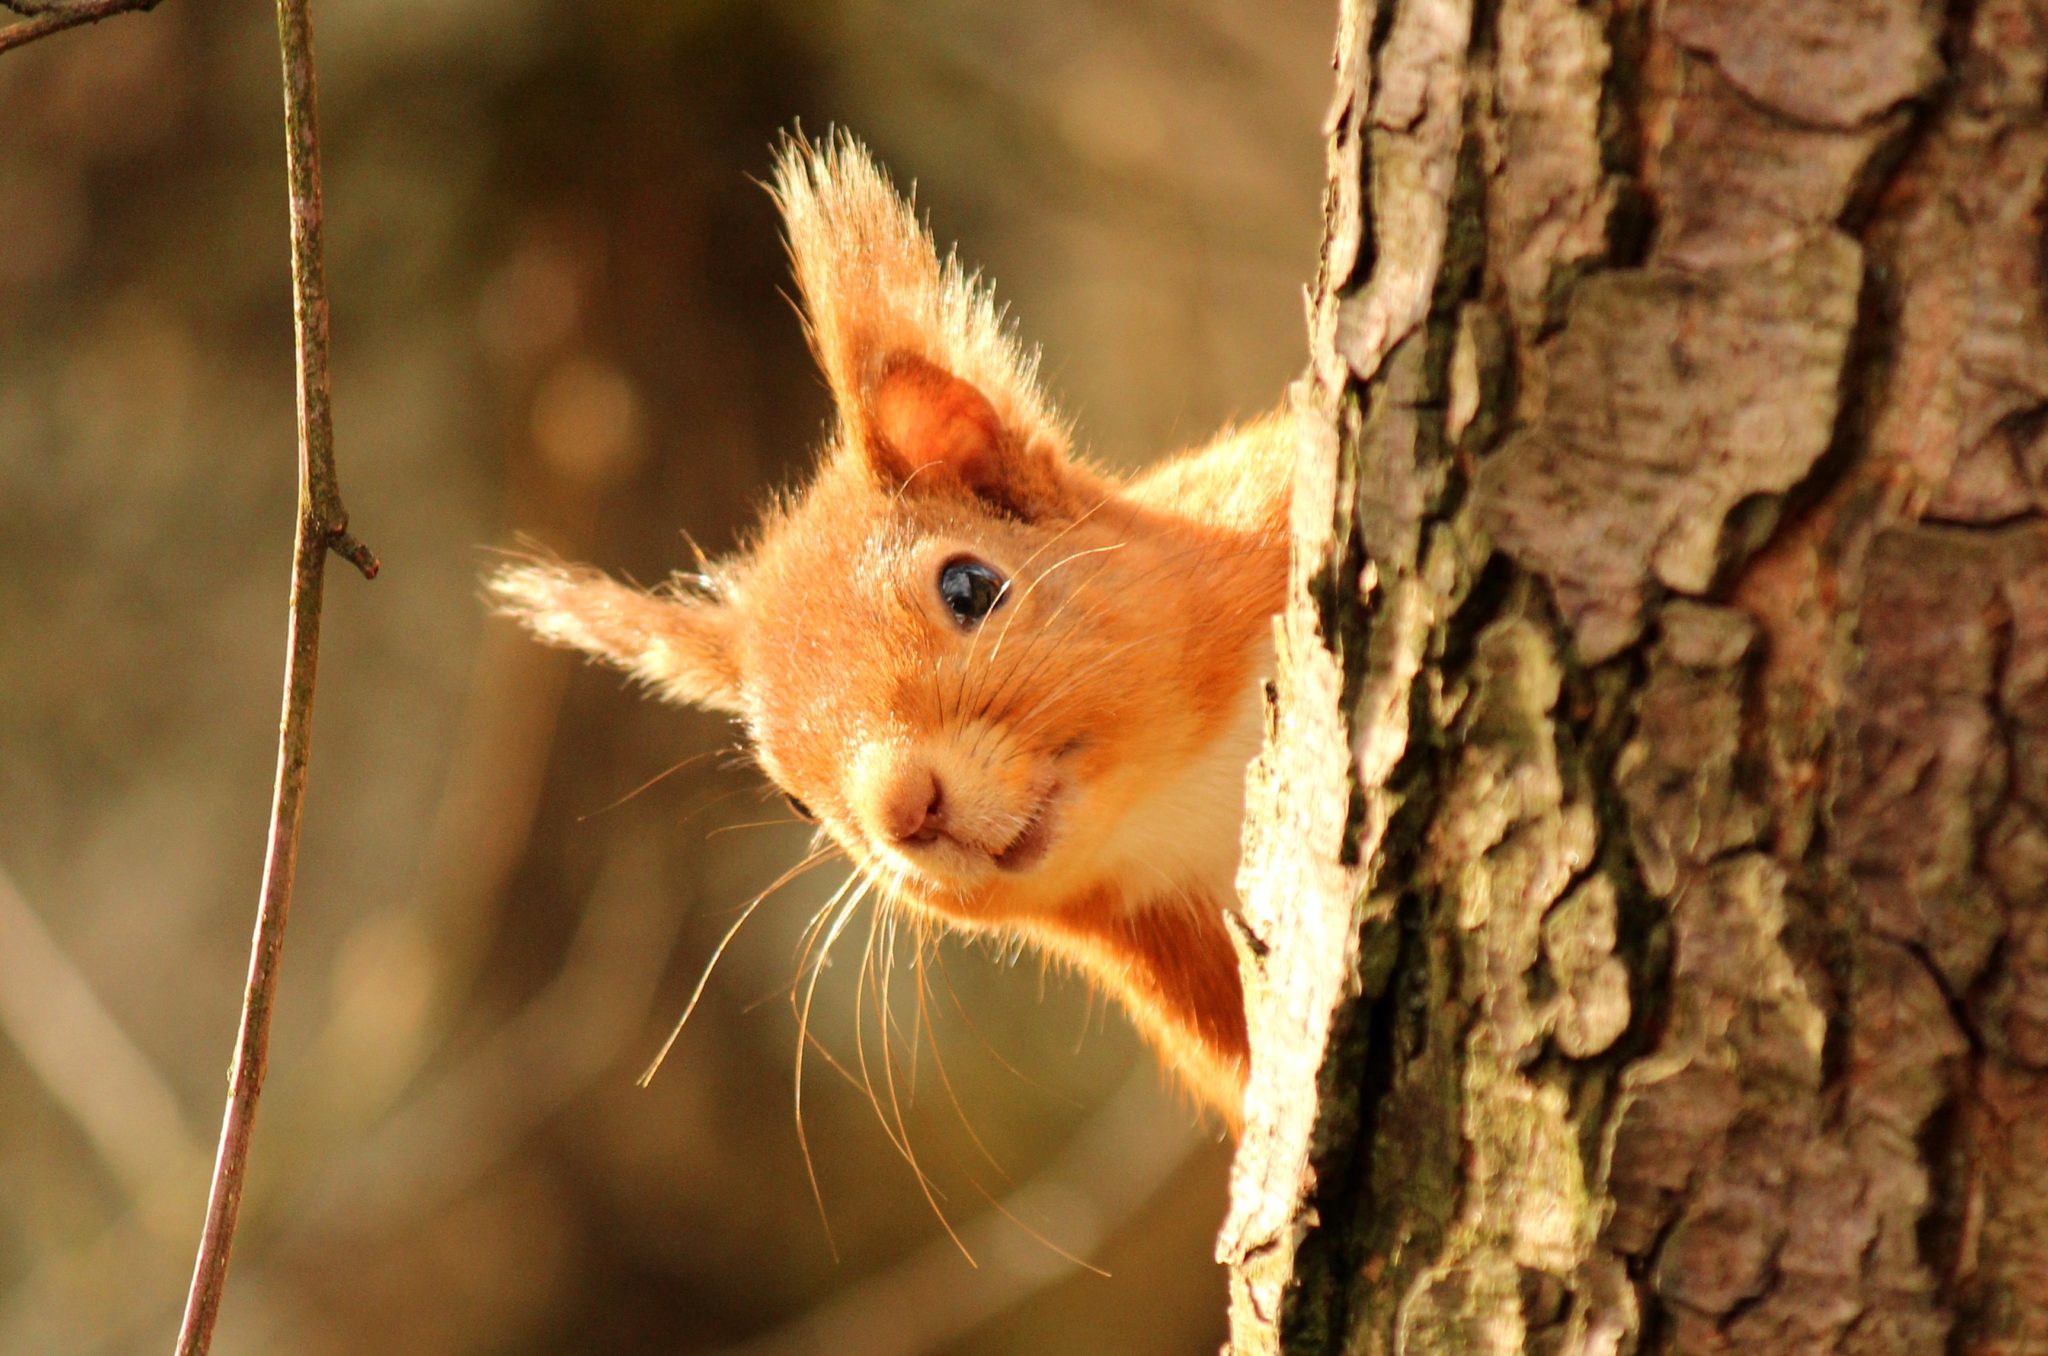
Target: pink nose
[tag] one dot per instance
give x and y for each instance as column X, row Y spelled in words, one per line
column 912, row 807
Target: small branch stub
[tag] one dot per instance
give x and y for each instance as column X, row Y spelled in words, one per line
column 350, row 548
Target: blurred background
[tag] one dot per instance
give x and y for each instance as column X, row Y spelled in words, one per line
column 559, row 310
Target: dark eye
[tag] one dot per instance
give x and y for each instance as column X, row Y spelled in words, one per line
column 970, row 589
column 801, row 810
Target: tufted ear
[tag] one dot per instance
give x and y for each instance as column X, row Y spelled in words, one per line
column 684, row 648
column 926, row 429
column 932, row 390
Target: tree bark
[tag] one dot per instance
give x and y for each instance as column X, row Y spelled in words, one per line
column 1646, row 925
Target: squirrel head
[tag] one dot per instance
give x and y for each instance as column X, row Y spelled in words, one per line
column 957, row 648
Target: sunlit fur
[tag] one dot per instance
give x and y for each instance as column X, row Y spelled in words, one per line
column 1088, row 739
column 874, row 289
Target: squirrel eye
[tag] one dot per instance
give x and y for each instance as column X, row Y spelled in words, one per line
column 801, row 810
column 970, row 590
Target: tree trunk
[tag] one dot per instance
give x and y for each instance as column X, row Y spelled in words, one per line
column 1646, row 933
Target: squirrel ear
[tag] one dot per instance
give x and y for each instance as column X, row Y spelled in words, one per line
column 681, row 647
column 927, row 429
column 928, row 380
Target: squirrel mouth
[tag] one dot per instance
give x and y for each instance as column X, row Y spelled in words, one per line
column 1029, row 847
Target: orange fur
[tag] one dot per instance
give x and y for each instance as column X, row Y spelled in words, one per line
column 1069, row 768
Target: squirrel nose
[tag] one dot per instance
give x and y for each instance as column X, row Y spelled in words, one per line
column 912, row 808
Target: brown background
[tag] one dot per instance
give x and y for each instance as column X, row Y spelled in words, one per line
column 558, row 311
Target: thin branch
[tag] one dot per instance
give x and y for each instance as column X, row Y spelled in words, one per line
column 322, row 527
column 54, row 16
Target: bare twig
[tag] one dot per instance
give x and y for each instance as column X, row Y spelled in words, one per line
column 322, row 527
column 45, row 17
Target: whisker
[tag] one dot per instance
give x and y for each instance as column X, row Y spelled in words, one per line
column 842, row 911
column 988, row 1046
column 916, row 1041
column 1018, row 573
column 1032, row 588
column 1020, row 679
column 900, row 1135
column 1041, row 636
column 1043, row 631
column 780, row 821
column 647, row 785
column 809, row 936
column 945, row 1079
column 1019, row 720
column 718, row 952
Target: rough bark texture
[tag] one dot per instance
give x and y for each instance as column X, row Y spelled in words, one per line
column 1646, row 932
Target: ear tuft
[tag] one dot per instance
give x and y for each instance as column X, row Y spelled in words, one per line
column 878, row 300
column 683, row 648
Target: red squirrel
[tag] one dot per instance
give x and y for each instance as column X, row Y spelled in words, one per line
column 1020, row 693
